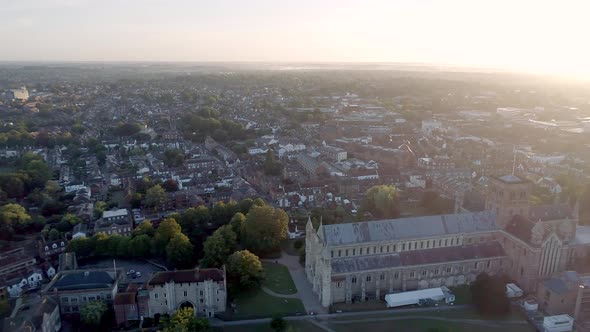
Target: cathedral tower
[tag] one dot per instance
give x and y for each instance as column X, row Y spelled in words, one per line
column 508, row 196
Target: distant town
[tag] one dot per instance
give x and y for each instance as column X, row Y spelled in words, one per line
column 219, row 197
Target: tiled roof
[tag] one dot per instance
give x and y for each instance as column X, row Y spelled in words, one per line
column 409, row 228
column 417, row 257
column 84, row 280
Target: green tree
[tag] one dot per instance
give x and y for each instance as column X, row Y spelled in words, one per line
column 236, row 223
column 219, row 246
column 271, row 166
column 174, row 157
column 244, row 269
column 382, row 202
column 194, row 220
column 140, row 245
column 264, row 229
column 278, row 324
column 184, row 320
column 99, row 208
column 54, row 234
column 12, row 216
column 83, row 247
column 155, row 196
column 145, row 228
column 179, row 251
column 165, row 232
column 245, row 205
column 91, row 312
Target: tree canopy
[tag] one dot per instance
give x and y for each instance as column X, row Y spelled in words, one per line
column 244, row 269
column 489, row 295
column 219, row 246
column 264, row 229
column 91, row 312
column 382, row 202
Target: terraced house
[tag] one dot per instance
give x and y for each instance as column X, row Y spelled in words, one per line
column 365, row 260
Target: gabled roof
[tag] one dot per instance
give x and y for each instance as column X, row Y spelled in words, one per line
column 408, row 228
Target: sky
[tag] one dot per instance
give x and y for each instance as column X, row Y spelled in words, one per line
column 544, row 36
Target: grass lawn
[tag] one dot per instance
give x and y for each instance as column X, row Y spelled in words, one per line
column 278, row 279
column 300, row 326
column 257, row 304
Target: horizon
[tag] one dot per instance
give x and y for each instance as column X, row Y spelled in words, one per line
column 526, row 37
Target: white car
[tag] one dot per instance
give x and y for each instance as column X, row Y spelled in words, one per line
column 138, row 274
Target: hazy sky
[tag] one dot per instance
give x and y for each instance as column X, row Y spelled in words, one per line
column 537, row 35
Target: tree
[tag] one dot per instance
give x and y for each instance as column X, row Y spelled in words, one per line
column 170, row 185
column 12, row 216
column 245, row 205
column 99, row 208
column 4, row 308
column 278, row 324
column 382, row 202
column 222, row 213
column 184, row 320
column 236, row 223
column 165, row 232
column 155, row 196
column 244, row 269
column 489, row 295
column 179, row 252
column 91, row 312
column 174, row 157
column 140, row 246
column 271, row 166
column 219, row 246
column 54, row 234
column 145, row 228
column 194, row 220
column 83, row 247
column 264, row 229
column 433, row 204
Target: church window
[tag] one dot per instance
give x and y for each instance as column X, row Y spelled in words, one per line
column 452, row 240
column 412, row 274
column 489, row 264
column 403, row 246
column 346, row 253
column 424, row 272
column 339, row 253
column 421, row 244
column 446, row 242
column 339, row 284
column 332, row 253
column 201, row 293
column 156, row 296
column 440, row 242
column 382, row 276
column 475, row 265
column 449, row 269
column 396, row 275
column 435, row 272
column 469, row 240
column 374, row 250
column 353, row 251
column 521, row 270
column 185, row 293
column 361, row 251
column 427, row 244
column 387, row 247
column 368, row 279
column 353, row 280
column 395, row 247
column 381, row 249
column 522, row 194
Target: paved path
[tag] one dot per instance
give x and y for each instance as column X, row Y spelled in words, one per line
column 418, row 311
column 285, row 296
column 304, row 287
column 489, row 323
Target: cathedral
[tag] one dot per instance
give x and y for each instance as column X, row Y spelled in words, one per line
column 359, row 261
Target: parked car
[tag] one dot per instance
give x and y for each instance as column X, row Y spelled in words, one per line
column 138, row 274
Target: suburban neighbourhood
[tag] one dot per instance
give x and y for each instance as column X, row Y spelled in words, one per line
column 228, row 198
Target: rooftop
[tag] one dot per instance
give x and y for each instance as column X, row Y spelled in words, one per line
column 77, row 280
column 408, row 228
column 511, row 179
column 114, row 213
column 417, row 257
column 182, row 276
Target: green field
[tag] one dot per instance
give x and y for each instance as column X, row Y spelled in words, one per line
column 256, row 303
column 278, row 279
